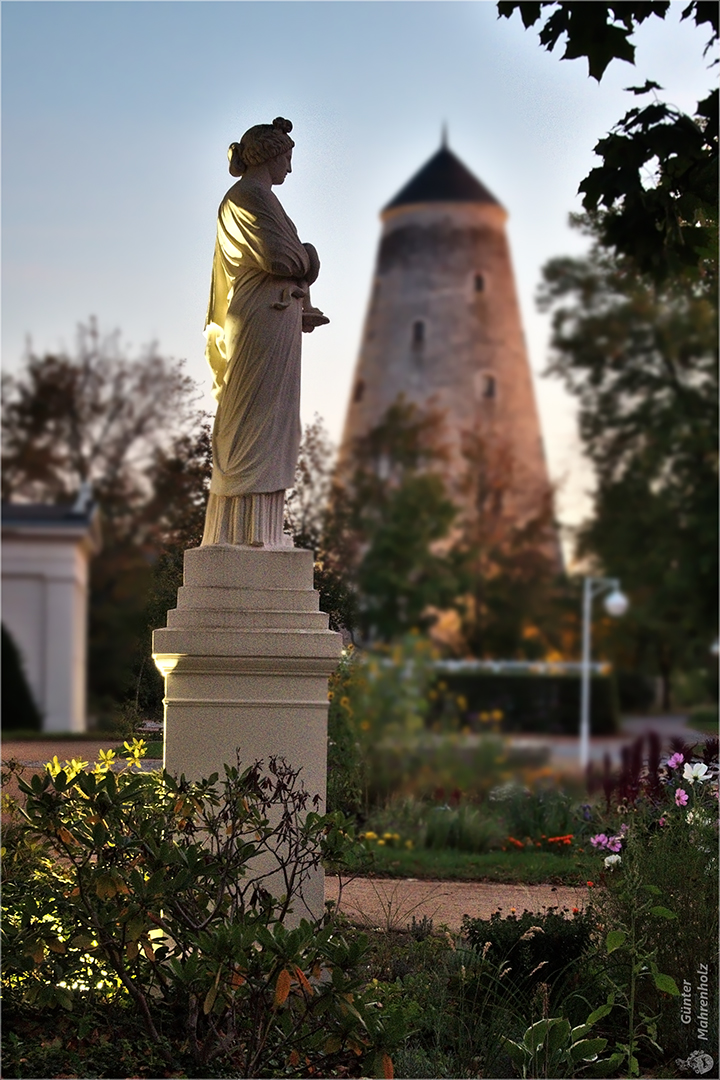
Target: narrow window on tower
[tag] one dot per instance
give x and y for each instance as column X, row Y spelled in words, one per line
column 485, row 386
column 359, row 390
column 418, row 334
column 479, row 283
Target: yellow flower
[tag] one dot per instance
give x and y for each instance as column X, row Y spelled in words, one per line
column 484, row 716
column 462, row 703
column 409, row 845
column 365, row 725
column 345, row 702
column 330, row 695
column 54, row 766
column 497, row 714
column 387, row 836
column 381, row 843
column 369, row 835
column 72, row 768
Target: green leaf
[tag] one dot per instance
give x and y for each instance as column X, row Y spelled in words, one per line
column 587, row 1049
column 535, row 1035
column 666, row 983
column 663, row 912
column 210, row 999
column 558, row 1033
column 517, row 1053
column 615, row 940
column 600, row 1013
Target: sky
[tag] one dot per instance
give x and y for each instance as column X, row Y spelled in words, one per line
column 116, row 118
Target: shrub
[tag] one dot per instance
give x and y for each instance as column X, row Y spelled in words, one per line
column 537, row 702
column 656, row 840
column 345, row 772
column 545, row 948
column 165, row 899
column 463, row 829
column 19, row 711
column 538, row 815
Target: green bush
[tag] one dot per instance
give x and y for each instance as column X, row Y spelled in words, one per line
column 19, row 711
column 463, row 829
column 345, row 774
column 166, row 901
column 531, row 702
column 547, row 948
column 539, row 814
column 656, row 843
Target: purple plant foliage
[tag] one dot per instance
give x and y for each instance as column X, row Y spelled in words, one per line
column 710, row 751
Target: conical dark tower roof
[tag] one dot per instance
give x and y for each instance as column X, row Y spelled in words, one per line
column 443, row 179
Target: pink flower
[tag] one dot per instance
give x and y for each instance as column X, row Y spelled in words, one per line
column 624, row 828
column 675, row 761
column 681, row 797
column 614, row 843
column 662, row 821
column 599, row 841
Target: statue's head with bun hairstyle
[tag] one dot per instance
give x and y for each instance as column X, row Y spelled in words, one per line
column 260, row 144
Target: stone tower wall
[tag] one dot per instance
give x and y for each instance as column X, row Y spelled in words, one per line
column 443, row 327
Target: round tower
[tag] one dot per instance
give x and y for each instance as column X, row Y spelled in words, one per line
column 443, row 325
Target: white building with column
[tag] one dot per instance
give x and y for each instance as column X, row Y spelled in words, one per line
column 46, row 552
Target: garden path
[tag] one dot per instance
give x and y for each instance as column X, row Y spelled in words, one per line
column 391, row 903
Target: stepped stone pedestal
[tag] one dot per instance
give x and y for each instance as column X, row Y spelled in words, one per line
column 246, row 657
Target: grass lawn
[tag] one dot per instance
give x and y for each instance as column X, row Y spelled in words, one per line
column 510, row 867
column 709, row 727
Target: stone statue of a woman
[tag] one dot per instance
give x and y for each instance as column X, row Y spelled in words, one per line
column 259, row 306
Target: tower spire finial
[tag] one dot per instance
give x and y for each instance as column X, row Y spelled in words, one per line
column 444, row 136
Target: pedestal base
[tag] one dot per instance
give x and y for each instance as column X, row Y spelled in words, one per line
column 246, row 657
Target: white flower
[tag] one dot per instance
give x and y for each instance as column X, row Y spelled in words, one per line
column 698, row 771
column 698, row 817
column 612, row 861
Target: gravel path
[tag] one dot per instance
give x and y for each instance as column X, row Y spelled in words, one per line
column 391, row 903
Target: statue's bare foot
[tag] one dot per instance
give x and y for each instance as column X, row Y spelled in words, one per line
column 312, row 317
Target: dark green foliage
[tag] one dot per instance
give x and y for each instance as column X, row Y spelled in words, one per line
column 387, row 511
column 345, row 764
column 642, row 361
column 19, row 711
column 307, row 514
column 129, row 426
column 542, row 703
column 541, row 814
column 669, row 226
column 539, row 948
column 166, row 899
column 636, row 692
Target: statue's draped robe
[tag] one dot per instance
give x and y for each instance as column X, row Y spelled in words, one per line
column 253, row 331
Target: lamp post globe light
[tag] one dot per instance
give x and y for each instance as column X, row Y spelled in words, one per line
column 616, row 604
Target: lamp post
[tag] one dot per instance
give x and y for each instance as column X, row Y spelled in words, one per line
column 616, row 604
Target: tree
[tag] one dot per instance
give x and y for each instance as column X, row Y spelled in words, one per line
column 307, row 509
column 388, row 523
column 641, row 358
column 659, row 178
column 131, row 428
column 510, row 560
